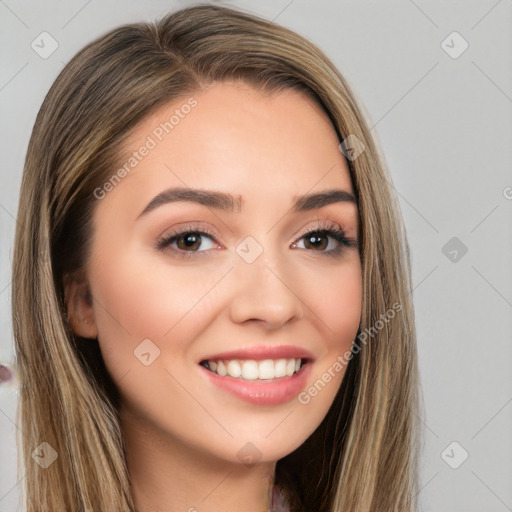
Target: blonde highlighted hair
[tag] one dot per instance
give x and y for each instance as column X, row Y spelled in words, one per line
column 364, row 455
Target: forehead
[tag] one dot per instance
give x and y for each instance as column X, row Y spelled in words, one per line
column 236, row 137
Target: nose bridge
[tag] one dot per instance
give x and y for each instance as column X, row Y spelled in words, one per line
column 264, row 286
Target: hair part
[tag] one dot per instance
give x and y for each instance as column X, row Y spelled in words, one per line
column 364, row 454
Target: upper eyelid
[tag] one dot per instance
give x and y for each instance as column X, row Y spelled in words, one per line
column 322, row 225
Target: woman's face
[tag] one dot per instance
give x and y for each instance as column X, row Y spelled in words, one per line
column 222, row 243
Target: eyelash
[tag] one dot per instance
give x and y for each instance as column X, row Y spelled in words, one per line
column 324, row 228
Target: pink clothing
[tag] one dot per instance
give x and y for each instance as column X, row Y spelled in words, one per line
column 278, row 501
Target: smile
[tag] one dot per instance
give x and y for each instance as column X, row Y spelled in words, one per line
column 260, row 380
column 251, row 370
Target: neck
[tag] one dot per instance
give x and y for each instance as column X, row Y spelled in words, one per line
column 169, row 476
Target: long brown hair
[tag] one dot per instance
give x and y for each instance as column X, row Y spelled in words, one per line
column 364, row 454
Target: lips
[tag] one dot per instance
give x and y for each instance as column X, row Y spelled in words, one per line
column 258, row 362
column 262, row 375
column 259, row 352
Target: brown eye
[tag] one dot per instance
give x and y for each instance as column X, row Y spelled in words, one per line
column 316, row 241
column 187, row 242
column 327, row 241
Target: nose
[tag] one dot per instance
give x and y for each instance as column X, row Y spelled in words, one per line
column 265, row 294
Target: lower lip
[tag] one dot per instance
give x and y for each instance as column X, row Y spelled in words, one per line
column 260, row 392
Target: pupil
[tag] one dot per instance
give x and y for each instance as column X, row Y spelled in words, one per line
column 190, row 240
column 316, row 241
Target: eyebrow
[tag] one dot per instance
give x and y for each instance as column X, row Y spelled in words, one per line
column 227, row 202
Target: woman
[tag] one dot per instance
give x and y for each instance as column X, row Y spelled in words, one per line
column 211, row 285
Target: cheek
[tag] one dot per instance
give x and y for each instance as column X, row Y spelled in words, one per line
column 135, row 300
column 336, row 299
column 147, row 319
column 342, row 309
column 337, row 302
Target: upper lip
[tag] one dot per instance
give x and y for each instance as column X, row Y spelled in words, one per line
column 260, row 352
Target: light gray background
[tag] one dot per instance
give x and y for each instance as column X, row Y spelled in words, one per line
column 445, row 128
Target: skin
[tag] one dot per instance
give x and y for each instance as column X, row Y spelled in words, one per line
column 183, row 434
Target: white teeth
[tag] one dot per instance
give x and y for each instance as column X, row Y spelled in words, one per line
column 280, row 368
column 221, row 369
column 250, row 370
column 266, row 369
column 234, row 369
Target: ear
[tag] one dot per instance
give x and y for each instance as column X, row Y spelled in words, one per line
column 79, row 308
